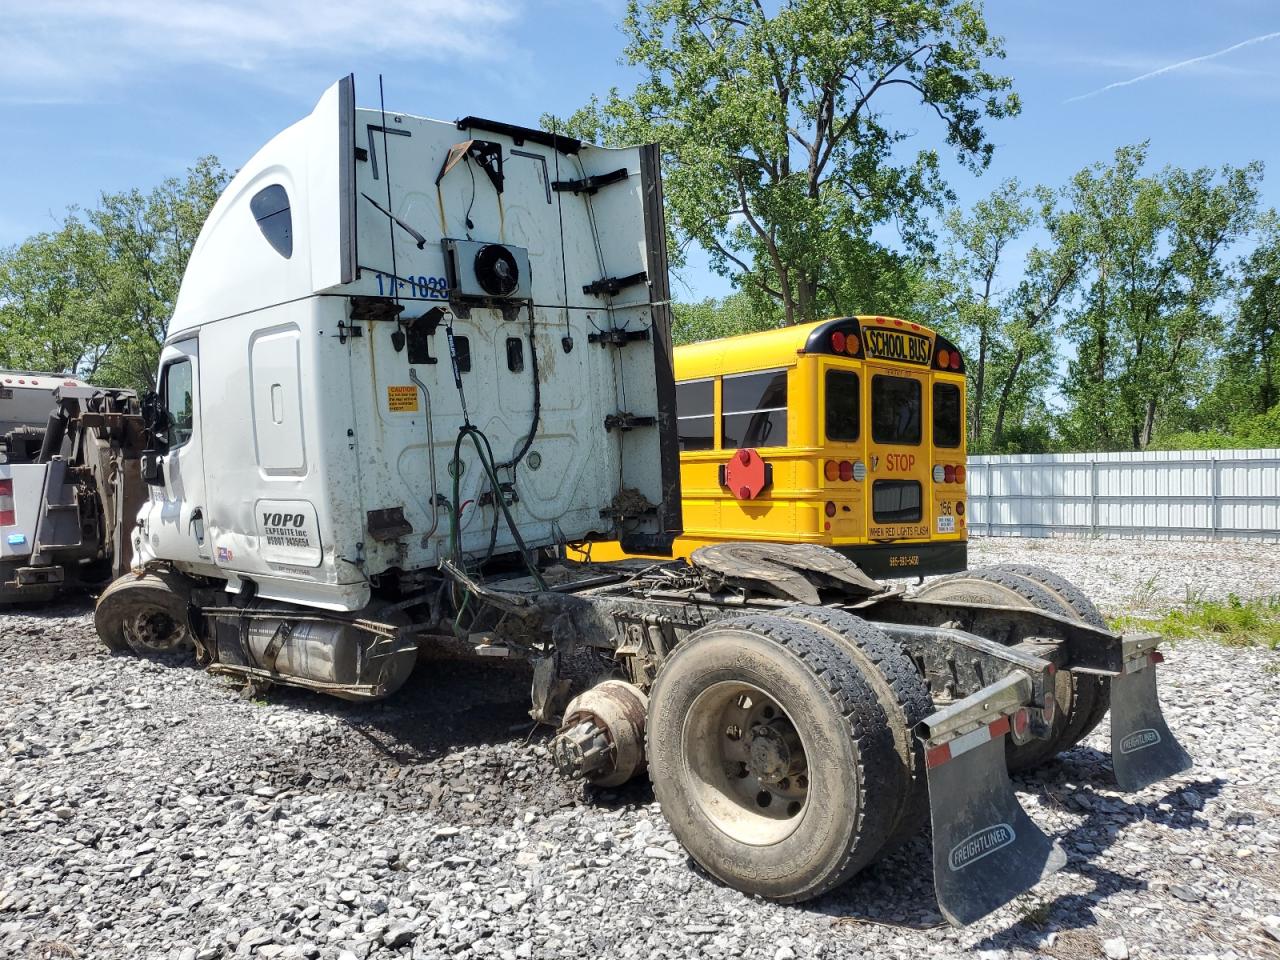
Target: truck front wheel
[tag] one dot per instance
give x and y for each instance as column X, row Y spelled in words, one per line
column 771, row 757
column 148, row 615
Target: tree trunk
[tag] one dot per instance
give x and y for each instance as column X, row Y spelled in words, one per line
column 1006, row 391
column 979, row 390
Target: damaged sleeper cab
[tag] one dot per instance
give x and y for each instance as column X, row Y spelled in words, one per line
column 412, row 362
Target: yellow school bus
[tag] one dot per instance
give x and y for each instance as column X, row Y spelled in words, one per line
column 847, row 432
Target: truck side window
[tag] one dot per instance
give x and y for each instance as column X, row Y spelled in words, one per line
column 895, row 410
column 177, row 402
column 842, row 406
column 754, row 410
column 270, row 207
column 695, row 416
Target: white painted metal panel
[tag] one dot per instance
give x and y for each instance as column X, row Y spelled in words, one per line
column 1190, row 493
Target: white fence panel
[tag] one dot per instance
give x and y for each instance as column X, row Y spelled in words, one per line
column 1180, row 494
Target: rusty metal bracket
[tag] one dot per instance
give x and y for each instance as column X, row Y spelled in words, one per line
column 627, row 421
column 590, row 185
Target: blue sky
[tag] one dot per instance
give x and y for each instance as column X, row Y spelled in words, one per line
column 108, row 94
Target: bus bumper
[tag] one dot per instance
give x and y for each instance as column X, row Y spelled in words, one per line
column 888, row 561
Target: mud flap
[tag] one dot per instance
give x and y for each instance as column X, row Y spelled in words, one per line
column 1143, row 750
column 986, row 850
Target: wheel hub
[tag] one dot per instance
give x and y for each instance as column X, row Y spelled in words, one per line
column 774, row 752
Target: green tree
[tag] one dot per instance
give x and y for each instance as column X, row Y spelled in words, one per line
column 1002, row 312
column 1253, row 348
column 94, row 297
column 1148, row 323
column 785, row 133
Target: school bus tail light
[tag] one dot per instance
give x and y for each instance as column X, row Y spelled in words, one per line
column 939, row 473
column 960, row 474
column 831, row 508
column 949, row 474
column 944, row 359
column 846, row 470
column 838, row 342
column 831, row 470
column 954, row 361
column 859, row 471
column 852, row 344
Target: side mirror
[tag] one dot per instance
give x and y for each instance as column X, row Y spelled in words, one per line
column 152, row 468
column 150, row 409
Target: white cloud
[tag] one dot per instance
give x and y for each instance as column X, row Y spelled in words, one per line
column 70, row 49
column 1180, row 65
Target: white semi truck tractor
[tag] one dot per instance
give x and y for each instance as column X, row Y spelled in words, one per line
column 412, row 361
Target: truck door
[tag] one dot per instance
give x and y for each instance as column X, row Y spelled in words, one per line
column 897, row 461
column 182, row 522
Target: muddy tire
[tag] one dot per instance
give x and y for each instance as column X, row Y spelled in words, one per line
column 904, row 698
column 1000, row 586
column 771, row 757
column 1082, row 724
column 148, row 615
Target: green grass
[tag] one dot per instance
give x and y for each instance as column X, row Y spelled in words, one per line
column 1234, row 622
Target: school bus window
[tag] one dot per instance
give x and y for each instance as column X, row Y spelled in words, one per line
column 695, row 414
column 946, row 415
column 754, row 410
column 895, row 410
column 842, row 406
column 896, row 501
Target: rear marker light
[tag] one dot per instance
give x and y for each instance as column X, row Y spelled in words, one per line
column 944, row 358
column 831, row 470
column 949, row 473
column 955, row 361
column 7, row 516
column 831, row 510
column 939, row 474
column 846, row 470
column 852, row 345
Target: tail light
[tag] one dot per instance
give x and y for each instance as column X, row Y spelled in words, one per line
column 846, row 470
column 838, row 342
column 944, row 359
column 955, row 361
column 949, row 474
column 831, row 470
column 960, row 508
column 939, row 474
column 831, row 508
column 7, row 515
column 960, row 473
column 859, row 471
column 852, row 344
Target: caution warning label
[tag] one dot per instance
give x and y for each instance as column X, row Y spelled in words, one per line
column 402, row 399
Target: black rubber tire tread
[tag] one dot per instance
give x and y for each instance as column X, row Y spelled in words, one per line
column 168, row 589
column 859, row 713
column 1085, row 610
column 1064, row 589
column 1035, row 752
column 903, row 695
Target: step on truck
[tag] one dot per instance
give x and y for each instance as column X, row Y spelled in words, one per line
column 69, row 484
column 413, row 363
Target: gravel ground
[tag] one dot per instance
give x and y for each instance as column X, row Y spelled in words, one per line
column 147, row 809
column 1140, row 576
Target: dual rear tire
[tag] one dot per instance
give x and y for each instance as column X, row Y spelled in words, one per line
column 1083, row 700
column 776, row 749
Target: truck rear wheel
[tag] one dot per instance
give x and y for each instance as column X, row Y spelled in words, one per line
column 904, row 698
column 1082, row 722
column 148, row 615
column 770, row 756
column 1075, row 700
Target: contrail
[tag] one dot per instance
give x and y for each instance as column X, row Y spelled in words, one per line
column 1174, row 66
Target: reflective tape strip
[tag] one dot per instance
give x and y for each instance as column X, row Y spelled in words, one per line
column 1141, row 663
column 7, row 515
column 940, row 754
